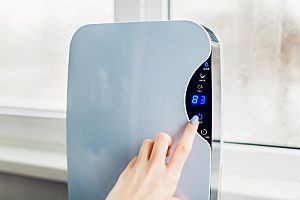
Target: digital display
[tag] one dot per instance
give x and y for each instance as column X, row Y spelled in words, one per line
column 198, row 100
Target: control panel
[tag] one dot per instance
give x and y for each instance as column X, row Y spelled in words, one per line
column 198, row 99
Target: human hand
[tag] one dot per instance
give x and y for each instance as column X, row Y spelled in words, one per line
column 148, row 176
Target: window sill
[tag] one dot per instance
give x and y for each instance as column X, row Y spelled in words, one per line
column 260, row 173
column 249, row 172
column 36, row 163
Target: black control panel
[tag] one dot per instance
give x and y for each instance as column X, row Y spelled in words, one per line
column 198, row 99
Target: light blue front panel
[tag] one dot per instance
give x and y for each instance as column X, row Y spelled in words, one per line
column 127, row 82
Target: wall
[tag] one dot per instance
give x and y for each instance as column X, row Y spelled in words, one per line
column 14, row 187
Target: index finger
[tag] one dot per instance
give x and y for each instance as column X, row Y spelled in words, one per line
column 184, row 145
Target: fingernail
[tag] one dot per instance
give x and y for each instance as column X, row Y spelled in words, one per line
column 194, row 120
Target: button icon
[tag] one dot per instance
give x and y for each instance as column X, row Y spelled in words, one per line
column 206, row 64
column 202, row 75
column 200, row 116
column 199, row 87
column 203, row 131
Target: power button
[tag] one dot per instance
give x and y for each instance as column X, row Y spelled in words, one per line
column 203, row 131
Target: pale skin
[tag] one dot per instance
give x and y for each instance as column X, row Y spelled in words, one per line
column 147, row 176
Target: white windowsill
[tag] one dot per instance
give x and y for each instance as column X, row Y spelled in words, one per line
column 249, row 172
column 260, row 173
column 36, row 163
column 30, row 112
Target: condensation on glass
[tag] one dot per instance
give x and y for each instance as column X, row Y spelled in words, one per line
column 261, row 42
column 34, row 38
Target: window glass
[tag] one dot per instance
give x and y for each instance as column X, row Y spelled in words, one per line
column 35, row 37
column 261, row 48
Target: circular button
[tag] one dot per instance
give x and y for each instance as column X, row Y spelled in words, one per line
column 203, row 131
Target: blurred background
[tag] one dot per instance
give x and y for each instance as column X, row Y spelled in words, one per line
column 261, row 89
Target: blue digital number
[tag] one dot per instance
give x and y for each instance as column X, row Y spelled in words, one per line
column 197, row 100
column 202, row 100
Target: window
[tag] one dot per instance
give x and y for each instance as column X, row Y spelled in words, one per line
column 261, row 45
column 35, row 37
column 35, row 40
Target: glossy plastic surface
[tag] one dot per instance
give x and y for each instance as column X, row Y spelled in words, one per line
column 127, row 82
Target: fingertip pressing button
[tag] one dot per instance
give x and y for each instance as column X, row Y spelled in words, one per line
column 200, row 116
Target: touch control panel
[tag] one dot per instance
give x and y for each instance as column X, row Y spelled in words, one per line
column 198, row 99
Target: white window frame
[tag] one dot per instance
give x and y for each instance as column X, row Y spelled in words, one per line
column 141, row 10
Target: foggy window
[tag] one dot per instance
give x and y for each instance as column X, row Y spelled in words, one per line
column 35, row 37
column 261, row 43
